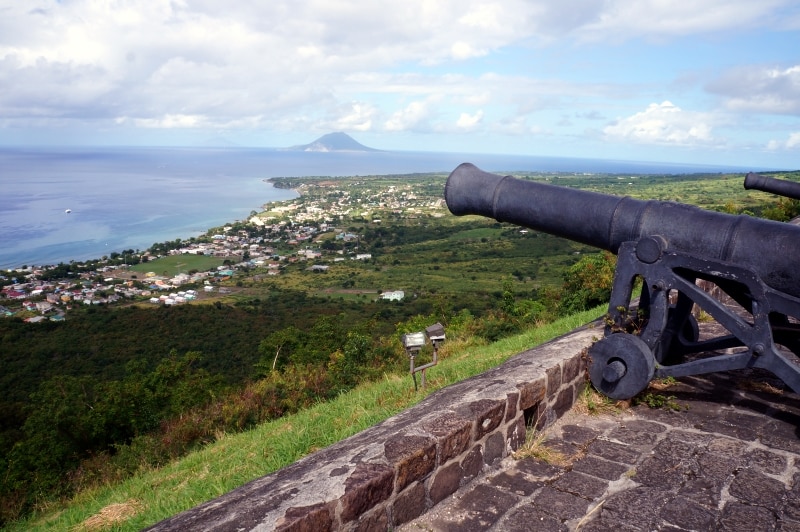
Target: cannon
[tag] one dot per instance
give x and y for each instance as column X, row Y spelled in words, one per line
column 781, row 187
column 663, row 249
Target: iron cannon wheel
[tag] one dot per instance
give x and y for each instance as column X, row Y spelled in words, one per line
column 621, row 365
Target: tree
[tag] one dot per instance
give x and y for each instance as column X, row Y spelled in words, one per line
column 588, row 282
column 783, row 211
column 509, row 302
column 177, row 384
column 284, row 340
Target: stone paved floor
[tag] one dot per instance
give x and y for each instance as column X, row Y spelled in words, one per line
column 728, row 460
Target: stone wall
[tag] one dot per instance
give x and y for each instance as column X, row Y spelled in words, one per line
column 398, row 469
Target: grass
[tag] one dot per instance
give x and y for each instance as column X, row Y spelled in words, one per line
column 234, row 459
column 589, row 402
column 172, row 265
column 592, row 402
column 654, row 397
column 535, row 446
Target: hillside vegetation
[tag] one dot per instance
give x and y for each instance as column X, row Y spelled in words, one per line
column 234, row 458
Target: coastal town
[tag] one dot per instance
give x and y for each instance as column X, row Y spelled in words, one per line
column 320, row 229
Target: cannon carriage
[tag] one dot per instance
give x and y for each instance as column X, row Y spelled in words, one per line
column 663, row 249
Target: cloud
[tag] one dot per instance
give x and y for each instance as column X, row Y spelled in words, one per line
column 167, row 122
column 516, row 126
column 760, row 89
column 468, row 122
column 358, row 118
column 662, row 123
column 792, row 143
column 655, row 19
column 413, row 117
column 358, row 65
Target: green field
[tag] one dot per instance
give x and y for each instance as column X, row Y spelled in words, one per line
column 172, row 265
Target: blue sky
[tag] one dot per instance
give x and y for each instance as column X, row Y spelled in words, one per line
column 708, row 81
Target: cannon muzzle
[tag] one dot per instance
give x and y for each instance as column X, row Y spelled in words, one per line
column 781, row 187
column 771, row 249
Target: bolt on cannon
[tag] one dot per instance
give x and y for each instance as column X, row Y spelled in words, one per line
column 666, row 247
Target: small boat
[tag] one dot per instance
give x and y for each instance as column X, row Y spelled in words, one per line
column 68, row 211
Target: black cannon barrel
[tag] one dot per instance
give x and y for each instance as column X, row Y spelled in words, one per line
column 769, row 248
column 781, row 187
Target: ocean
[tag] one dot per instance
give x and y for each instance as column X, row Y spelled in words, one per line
column 131, row 198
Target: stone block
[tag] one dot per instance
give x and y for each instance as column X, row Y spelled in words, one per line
column 369, row 485
column 791, row 507
column 512, row 399
column 564, row 401
column 372, row 521
column 597, row 467
column 688, row 515
column 766, row 461
column 472, row 463
column 638, row 507
column 553, row 380
column 666, row 470
column 493, row 450
column 577, row 434
column 560, row 504
column 516, row 434
column 538, row 470
column 753, row 487
column 452, row 433
column 531, row 393
column 613, row 451
column 704, row 490
column 483, row 505
column 414, row 457
column 573, row 368
column 445, row 482
column 584, row 486
column 488, row 415
column 409, row 504
column 527, row 518
column 736, row 517
column 314, row 518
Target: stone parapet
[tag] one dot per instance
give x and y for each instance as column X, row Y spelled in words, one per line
column 398, row 469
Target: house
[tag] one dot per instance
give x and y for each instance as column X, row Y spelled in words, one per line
column 44, row 306
column 15, row 294
column 347, row 237
column 319, row 268
column 396, row 295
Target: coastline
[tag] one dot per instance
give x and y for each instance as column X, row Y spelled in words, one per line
column 275, row 184
column 181, row 230
column 131, row 198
